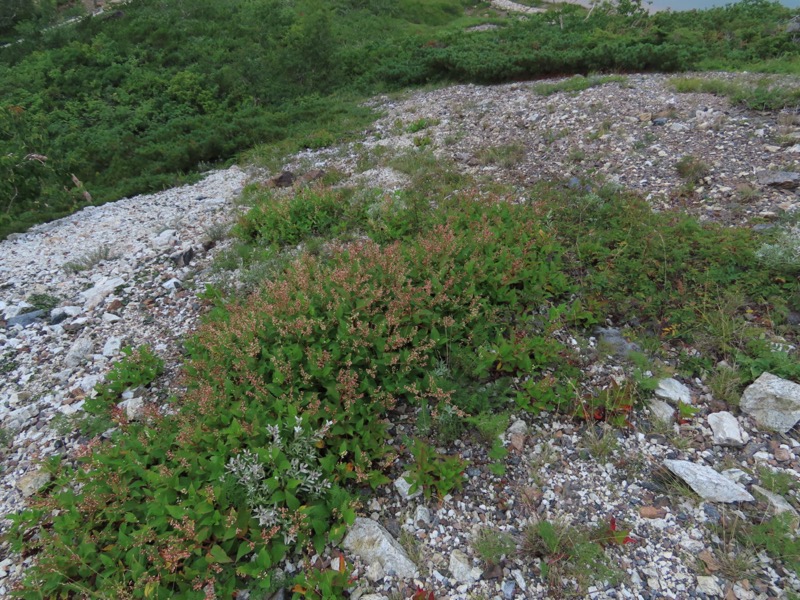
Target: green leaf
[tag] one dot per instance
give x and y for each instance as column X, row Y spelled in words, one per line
column 218, row 554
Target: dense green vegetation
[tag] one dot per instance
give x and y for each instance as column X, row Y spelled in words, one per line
column 454, row 299
column 136, row 101
column 446, row 299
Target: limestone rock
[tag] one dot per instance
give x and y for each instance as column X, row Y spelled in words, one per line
column 673, row 391
column 165, row 238
column 134, row 408
column 461, row 568
column 777, row 503
column 726, row 430
column 787, row 180
column 707, row 483
column 661, row 411
column 709, row 586
column 773, row 402
column 95, row 295
column 422, row 515
column 403, row 487
column 372, row 543
column 32, row 482
column 78, row 352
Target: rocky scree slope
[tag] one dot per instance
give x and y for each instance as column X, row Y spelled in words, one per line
column 152, row 258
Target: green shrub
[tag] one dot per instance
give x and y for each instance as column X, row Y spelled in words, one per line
column 432, row 472
column 287, row 220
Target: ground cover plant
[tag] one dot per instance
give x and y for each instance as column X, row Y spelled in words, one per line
column 107, row 107
column 460, row 315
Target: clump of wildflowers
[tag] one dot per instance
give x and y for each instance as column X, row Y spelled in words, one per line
column 290, row 462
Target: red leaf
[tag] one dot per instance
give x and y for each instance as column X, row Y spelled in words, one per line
column 613, row 525
column 628, row 540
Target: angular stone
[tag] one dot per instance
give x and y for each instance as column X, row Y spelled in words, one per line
column 403, row 487
column 112, row 346
column 777, row 503
column 707, row 483
column 78, row 352
column 32, row 482
column 134, row 408
column 60, row 313
column 372, row 543
column 661, row 411
column 613, row 337
column 773, row 402
column 787, row 180
column 709, row 586
column 375, row 572
column 461, row 568
column 95, row 295
column 518, row 427
column 165, row 238
column 25, row 319
column 422, row 515
column 673, row 390
column 726, row 430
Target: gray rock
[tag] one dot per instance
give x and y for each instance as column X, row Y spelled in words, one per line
column 375, row 572
column 461, row 568
column 613, row 337
column 19, row 418
column 707, row 483
column 95, row 295
column 25, row 319
column 372, row 543
column 659, row 121
column 518, row 427
column 661, row 411
column 787, row 180
column 112, row 346
column 172, row 284
column 422, row 515
column 508, row 589
column 726, row 430
column 777, row 503
column 708, row 585
column 134, row 408
column 165, row 238
column 78, row 352
column 32, row 482
column 773, row 402
column 403, row 487
column 673, row 391
column 182, row 258
column 60, row 313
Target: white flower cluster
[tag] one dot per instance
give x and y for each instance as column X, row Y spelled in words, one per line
column 261, row 479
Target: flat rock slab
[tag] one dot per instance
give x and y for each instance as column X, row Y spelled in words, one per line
column 372, row 543
column 673, row 391
column 780, row 179
column 773, row 402
column 707, row 483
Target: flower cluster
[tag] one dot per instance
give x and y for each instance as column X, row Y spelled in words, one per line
column 291, row 457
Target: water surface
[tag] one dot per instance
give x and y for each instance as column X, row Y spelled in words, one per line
column 690, row 4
